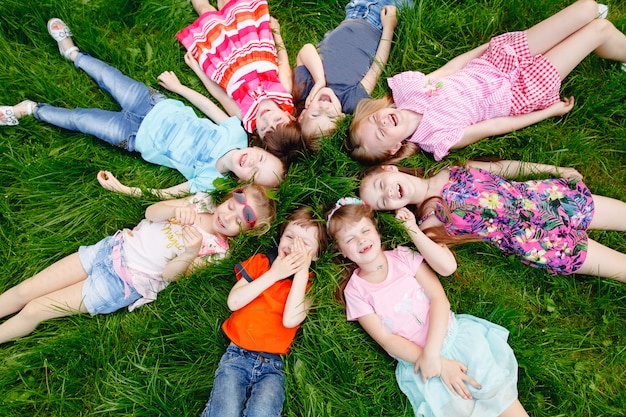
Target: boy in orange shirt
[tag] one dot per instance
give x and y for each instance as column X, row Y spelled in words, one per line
column 268, row 305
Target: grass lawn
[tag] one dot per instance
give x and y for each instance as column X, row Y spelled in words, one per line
column 568, row 332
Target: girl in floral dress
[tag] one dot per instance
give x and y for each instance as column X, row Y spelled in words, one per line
column 241, row 63
column 543, row 222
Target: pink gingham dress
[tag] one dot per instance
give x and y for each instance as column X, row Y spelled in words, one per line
column 505, row 81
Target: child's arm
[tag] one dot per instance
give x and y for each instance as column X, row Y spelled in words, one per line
column 439, row 257
column 309, row 57
column 512, row 169
column 213, row 88
column 389, row 21
column 429, row 362
column 453, row 373
column 285, row 73
column 108, row 181
column 243, row 291
column 459, row 62
column 170, row 81
column 506, row 124
column 297, row 305
column 167, row 209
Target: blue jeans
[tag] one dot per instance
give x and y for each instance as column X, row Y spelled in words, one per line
column 370, row 9
column 247, row 383
column 115, row 127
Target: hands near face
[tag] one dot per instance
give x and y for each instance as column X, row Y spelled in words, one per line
column 299, row 259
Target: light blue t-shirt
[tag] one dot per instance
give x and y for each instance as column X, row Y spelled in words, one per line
column 172, row 135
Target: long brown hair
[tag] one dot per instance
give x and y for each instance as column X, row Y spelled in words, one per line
column 365, row 109
column 339, row 218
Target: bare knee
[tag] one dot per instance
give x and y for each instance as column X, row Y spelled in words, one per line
column 589, row 7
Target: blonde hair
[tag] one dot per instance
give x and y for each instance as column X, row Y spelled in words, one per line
column 365, row 109
column 313, row 135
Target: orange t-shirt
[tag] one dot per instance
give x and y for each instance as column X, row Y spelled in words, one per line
column 258, row 326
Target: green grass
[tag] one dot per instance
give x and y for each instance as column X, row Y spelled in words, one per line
column 567, row 332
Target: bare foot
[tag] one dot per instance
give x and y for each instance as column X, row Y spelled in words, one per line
column 202, row 6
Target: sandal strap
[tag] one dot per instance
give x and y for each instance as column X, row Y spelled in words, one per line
column 68, row 52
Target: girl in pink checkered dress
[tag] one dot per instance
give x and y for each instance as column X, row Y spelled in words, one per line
column 505, row 85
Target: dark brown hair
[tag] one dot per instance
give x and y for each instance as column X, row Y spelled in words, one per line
column 285, row 141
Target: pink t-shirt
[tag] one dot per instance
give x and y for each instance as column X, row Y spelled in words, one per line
column 448, row 105
column 399, row 300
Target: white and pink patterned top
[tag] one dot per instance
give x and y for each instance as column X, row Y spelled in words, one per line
column 149, row 246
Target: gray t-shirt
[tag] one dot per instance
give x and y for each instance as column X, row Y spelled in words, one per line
column 347, row 53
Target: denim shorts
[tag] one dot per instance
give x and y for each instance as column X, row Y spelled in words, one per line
column 103, row 291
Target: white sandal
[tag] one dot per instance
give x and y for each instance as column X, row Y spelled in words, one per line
column 61, row 34
column 10, row 119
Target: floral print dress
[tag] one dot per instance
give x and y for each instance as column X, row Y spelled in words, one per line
column 543, row 222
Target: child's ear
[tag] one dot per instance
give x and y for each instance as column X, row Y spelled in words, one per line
column 389, row 168
column 396, row 148
column 291, row 116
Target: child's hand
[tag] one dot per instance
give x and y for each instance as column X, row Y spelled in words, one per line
column 109, row 182
column 407, row 217
column 300, row 247
column 562, row 107
column 192, row 239
column 429, row 365
column 454, row 376
column 388, row 17
column 185, row 216
column 569, row 173
column 316, row 87
column 286, row 265
column 192, row 62
column 169, row 80
column 274, row 25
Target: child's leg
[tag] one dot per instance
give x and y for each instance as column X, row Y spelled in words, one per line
column 604, row 261
column 63, row 273
column 132, row 95
column 268, row 393
column 112, row 127
column 599, row 36
column 54, row 292
column 550, row 32
column 202, row 6
column 230, row 386
column 609, row 214
column 515, row 410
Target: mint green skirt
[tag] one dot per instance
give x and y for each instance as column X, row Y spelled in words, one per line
column 482, row 347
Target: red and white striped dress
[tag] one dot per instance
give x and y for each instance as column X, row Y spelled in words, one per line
column 235, row 48
column 505, row 81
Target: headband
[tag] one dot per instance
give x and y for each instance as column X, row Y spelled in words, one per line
column 345, row 201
